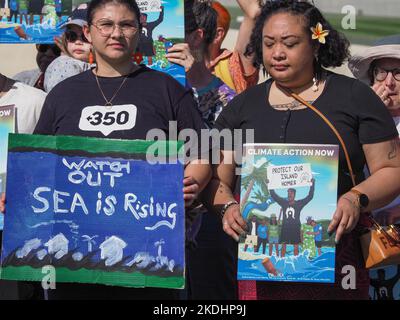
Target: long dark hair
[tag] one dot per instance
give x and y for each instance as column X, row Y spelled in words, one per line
column 201, row 15
column 331, row 54
column 96, row 4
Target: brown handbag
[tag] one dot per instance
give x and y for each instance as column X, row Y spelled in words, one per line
column 380, row 245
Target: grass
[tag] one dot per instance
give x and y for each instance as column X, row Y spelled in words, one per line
column 368, row 28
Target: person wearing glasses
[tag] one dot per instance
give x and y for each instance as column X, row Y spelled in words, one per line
column 379, row 67
column 75, row 48
column 148, row 99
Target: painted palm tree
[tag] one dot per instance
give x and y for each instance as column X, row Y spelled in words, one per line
column 90, row 241
column 260, row 196
column 256, row 177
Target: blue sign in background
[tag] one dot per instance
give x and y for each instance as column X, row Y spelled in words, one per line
column 162, row 183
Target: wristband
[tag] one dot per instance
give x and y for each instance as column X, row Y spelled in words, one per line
column 226, row 206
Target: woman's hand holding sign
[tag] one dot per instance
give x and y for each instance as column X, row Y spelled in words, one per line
column 233, row 222
column 345, row 217
column 190, row 190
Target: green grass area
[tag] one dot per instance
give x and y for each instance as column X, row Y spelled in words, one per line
column 134, row 279
column 368, row 28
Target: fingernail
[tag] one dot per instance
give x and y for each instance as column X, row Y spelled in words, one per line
column 330, row 233
column 337, row 241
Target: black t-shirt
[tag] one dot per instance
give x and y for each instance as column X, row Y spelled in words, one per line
column 291, row 212
column 354, row 109
column 147, row 100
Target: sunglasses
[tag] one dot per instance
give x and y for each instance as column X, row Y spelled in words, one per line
column 72, row 36
column 42, row 48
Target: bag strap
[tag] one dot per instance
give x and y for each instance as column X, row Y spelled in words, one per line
column 378, row 227
column 326, row 120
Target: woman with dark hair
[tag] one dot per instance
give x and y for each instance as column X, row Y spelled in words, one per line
column 212, row 279
column 295, row 43
column 150, row 99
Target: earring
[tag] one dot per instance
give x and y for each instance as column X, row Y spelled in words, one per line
column 315, row 84
column 91, row 57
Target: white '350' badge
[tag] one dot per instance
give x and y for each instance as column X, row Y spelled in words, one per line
column 108, row 119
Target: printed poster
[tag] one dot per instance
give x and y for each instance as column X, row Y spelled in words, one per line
column 33, row 21
column 288, row 196
column 163, row 25
column 94, row 209
column 39, row 21
column 7, row 125
column 385, row 281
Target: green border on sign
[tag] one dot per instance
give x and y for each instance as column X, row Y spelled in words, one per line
column 95, row 145
column 115, row 278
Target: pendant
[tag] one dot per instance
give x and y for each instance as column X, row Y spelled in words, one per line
column 108, row 105
column 315, row 85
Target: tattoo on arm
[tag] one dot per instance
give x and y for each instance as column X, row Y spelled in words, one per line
column 393, row 149
column 222, row 188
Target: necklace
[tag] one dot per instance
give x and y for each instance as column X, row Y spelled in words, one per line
column 108, row 103
column 294, row 105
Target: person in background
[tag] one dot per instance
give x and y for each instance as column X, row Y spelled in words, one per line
column 318, row 235
column 234, row 67
column 383, row 288
column 13, row 4
column 273, row 234
column 23, row 6
column 200, row 30
column 308, row 238
column 28, row 102
column 207, row 278
column 35, row 8
column 76, row 51
column 46, row 53
column 262, row 232
column 379, row 67
column 113, row 29
column 59, row 9
column 251, row 235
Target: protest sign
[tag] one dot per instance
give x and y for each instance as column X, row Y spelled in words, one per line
column 94, row 209
column 7, row 125
column 288, row 196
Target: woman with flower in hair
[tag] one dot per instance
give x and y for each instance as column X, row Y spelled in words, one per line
column 295, row 44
